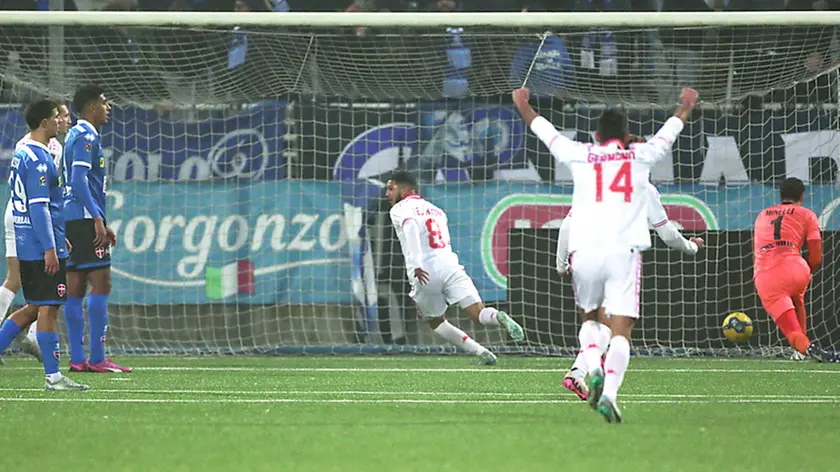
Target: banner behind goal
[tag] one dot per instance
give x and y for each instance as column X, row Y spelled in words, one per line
column 248, row 154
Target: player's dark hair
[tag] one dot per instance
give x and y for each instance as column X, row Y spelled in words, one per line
column 612, row 125
column 39, row 111
column 404, row 179
column 85, row 95
column 792, row 190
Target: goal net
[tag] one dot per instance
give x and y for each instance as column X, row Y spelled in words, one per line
column 247, row 156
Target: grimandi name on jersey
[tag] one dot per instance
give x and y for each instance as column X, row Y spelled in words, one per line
column 614, row 156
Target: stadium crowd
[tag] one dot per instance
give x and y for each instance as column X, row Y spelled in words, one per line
column 139, row 65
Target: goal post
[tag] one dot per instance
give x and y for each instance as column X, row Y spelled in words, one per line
column 247, row 154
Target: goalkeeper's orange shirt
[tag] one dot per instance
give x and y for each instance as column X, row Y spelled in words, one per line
column 780, row 231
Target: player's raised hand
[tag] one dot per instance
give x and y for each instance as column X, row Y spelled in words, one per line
column 112, row 237
column 421, row 275
column 50, row 262
column 101, row 235
column 636, row 139
column 689, row 100
column 698, row 241
column 521, row 96
column 689, row 96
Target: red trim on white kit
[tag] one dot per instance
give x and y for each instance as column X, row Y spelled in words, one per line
column 638, row 282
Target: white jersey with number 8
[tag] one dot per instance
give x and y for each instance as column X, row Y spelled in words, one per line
column 610, row 195
column 423, row 231
column 435, row 245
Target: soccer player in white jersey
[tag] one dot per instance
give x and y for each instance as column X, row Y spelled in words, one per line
column 609, row 232
column 436, row 276
column 12, row 283
column 575, row 379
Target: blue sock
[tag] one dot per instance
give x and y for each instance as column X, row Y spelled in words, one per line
column 8, row 333
column 48, row 342
column 75, row 320
column 98, row 321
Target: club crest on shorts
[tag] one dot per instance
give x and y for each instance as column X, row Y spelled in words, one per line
column 100, row 252
column 61, row 289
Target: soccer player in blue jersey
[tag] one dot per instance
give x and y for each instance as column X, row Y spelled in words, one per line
column 87, row 231
column 37, row 202
column 29, row 344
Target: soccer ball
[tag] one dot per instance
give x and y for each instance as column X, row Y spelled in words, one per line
column 737, row 327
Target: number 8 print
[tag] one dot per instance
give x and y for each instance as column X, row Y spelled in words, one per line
column 435, row 237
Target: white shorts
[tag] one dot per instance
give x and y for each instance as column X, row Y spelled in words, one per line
column 444, row 288
column 609, row 280
column 9, row 224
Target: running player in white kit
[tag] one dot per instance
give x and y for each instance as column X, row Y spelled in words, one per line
column 436, row 276
column 609, row 232
column 12, row 283
column 575, row 379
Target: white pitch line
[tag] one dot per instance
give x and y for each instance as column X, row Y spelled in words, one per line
column 419, row 394
column 488, row 370
column 299, row 392
column 448, row 358
column 76, row 399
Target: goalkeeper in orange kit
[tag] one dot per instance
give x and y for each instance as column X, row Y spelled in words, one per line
column 781, row 275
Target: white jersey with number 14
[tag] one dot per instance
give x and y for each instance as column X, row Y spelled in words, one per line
column 610, row 186
column 436, row 253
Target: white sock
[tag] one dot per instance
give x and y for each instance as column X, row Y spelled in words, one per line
column 591, row 344
column 488, row 316
column 616, row 365
column 6, row 299
column 459, row 338
column 53, row 378
column 33, row 330
column 579, row 367
column 606, row 335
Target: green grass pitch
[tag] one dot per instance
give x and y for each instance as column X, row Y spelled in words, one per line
column 429, row 414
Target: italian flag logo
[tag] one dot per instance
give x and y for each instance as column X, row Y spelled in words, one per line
column 230, row 279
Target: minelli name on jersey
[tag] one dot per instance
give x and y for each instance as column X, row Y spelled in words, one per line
column 783, row 211
column 615, row 156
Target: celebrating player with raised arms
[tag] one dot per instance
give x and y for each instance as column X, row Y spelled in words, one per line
column 88, row 232
column 37, row 201
column 609, row 232
column 781, row 275
column 436, row 276
column 667, row 232
column 12, row 283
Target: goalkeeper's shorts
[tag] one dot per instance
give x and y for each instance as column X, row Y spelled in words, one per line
column 783, row 285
